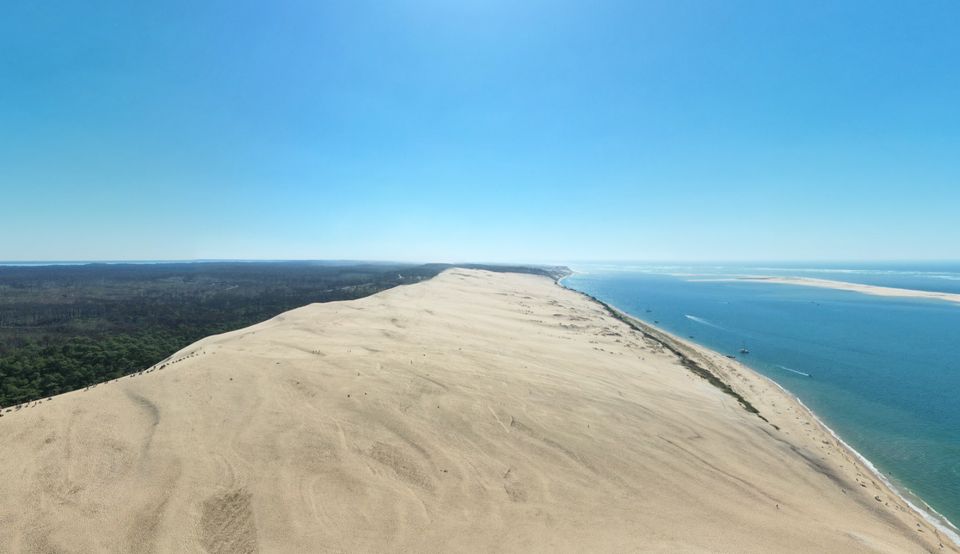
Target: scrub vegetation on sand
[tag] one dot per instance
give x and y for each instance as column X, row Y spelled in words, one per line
column 472, row 412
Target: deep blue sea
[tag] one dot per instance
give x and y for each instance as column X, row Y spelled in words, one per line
column 884, row 373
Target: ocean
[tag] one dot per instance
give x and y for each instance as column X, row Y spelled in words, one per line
column 883, row 373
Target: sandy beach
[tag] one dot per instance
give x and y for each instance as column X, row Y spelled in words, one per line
column 475, row 411
column 854, row 287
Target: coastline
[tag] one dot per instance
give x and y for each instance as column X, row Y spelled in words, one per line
column 714, row 365
column 935, row 518
column 475, row 411
column 851, row 287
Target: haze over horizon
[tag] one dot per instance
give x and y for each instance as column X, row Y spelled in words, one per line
column 480, row 131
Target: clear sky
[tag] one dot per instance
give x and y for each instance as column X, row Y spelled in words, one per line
column 480, row 130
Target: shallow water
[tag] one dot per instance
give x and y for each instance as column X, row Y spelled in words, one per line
column 884, row 373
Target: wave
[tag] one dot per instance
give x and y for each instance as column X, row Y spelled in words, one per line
column 703, row 321
column 930, row 515
column 927, row 512
column 798, row 372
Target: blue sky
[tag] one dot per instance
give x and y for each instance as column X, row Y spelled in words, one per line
column 480, row 130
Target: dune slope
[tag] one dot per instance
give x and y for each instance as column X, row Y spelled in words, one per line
column 473, row 412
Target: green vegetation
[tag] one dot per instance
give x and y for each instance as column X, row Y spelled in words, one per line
column 683, row 353
column 68, row 327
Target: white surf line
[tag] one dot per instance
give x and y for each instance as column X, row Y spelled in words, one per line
column 931, row 516
column 798, row 372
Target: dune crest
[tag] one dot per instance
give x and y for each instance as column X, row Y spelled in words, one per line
column 476, row 411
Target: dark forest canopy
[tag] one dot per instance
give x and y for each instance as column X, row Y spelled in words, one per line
column 64, row 327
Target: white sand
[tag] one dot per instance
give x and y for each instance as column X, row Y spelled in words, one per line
column 855, row 287
column 473, row 412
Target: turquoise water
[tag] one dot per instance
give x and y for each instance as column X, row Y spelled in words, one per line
column 884, row 373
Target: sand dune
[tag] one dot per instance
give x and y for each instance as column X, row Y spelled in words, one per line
column 474, row 412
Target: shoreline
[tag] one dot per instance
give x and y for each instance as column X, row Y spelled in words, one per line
column 677, row 345
column 553, row 420
column 933, row 517
column 873, row 290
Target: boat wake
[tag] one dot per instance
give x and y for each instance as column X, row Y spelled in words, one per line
column 798, row 372
column 703, row 321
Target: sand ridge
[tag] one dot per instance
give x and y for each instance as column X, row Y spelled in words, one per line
column 476, row 411
column 852, row 287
